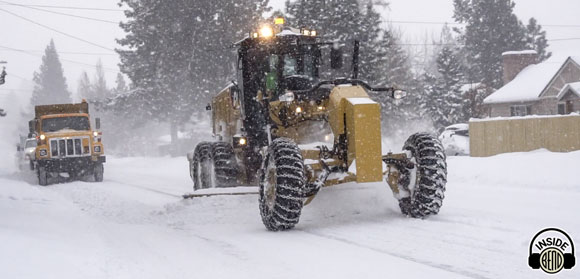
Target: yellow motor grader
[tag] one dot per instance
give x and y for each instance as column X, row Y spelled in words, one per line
column 283, row 128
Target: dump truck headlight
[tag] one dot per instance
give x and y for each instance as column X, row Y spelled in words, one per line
column 266, row 32
column 320, row 108
column 305, row 32
column 43, row 152
column 287, row 97
column 313, row 33
column 240, row 141
column 399, row 94
column 95, row 133
column 298, row 110
column 42, row 137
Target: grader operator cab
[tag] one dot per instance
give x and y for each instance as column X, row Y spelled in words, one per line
column 283, row 128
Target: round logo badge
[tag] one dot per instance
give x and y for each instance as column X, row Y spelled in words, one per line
column 551, row 250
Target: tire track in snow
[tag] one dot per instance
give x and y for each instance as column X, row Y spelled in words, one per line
column 443, row 267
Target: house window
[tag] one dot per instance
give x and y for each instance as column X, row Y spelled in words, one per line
column 565, row 108
column 520, row 110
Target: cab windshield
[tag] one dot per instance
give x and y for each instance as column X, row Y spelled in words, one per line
column 77, row 123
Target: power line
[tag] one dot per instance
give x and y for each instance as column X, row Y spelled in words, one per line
column 65, row 52
column 52, row 29
column 58, row 13
column 62, row 59
column 75, row 8
column 454, row 23
column 564, row 39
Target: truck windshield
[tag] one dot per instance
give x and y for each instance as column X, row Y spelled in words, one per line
column 78, row 123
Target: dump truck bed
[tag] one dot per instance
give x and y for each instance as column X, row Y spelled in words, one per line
column 61, row 109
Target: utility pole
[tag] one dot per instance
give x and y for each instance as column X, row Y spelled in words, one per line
column 2, row 81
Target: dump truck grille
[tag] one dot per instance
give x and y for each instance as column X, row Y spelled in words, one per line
column 68, row 147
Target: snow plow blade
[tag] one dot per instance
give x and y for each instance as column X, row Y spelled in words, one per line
column 235, row 191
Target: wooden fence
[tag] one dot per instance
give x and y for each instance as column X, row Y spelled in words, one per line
column 489, row 137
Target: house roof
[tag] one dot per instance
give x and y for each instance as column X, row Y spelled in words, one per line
column 574, row 87
column 529, row 84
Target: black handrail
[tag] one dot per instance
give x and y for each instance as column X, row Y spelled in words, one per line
column 343, row 81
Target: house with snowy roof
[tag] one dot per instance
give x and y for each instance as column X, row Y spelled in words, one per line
column 532, row 88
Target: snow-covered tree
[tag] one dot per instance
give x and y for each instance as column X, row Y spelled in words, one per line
column 491, row 29
column 85, row 88
column 536, row 39
column 49, row 82
column 442, row 99
column 177, row 52
column 100, row 89
column 120, row 85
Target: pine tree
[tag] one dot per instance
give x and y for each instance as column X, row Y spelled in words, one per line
column 491, row 29
column 536, row 39
column 180, row 53
column 121, row 85
column 100, row 89
column 451, row 81
column 50, row 84
column 85, row 89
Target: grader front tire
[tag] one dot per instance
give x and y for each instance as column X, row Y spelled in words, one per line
column 426, row 198
column 282, row 181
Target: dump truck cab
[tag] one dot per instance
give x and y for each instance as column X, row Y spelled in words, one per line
column 67, row 142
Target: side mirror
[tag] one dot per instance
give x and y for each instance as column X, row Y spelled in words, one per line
column 32, row 126
column 235, row 94
column 336, row 58
column 208, row 107
column 18, row 148
column 98, row 123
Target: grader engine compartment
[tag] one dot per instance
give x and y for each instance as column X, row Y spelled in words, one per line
column 283, row 128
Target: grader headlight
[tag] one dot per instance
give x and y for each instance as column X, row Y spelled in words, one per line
column 266, row 32
column 299, row 110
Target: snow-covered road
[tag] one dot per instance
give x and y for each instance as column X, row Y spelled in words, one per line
column 135, row 225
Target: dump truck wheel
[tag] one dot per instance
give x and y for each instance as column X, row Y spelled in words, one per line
column 225, row 166
column 42, row 176
column 427, row 191
column 98, row 172
column 282, row 182
column 201, row 166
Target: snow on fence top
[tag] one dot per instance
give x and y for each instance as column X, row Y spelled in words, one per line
column 574, row 114
column 525, row 52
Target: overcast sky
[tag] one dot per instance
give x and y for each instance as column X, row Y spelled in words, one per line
column 22, row 42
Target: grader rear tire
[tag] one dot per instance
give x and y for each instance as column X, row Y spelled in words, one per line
column 225, row 165
column 201, row 166
column 282, row 181
column 426, row 198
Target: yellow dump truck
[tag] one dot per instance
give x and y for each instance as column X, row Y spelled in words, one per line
column 66, row 142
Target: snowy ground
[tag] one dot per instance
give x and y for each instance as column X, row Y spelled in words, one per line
column 135, row 225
